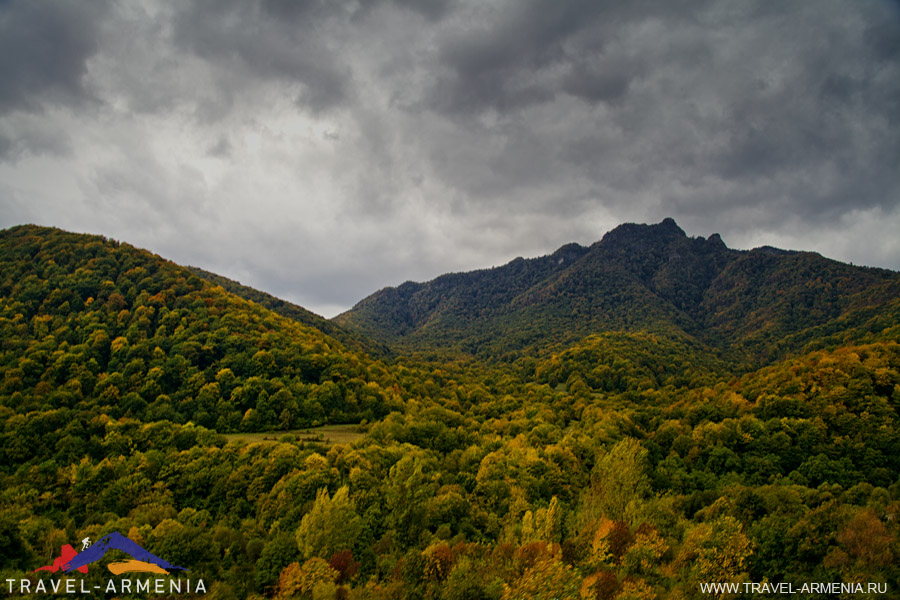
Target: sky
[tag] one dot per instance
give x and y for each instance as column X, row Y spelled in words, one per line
column 322, row 150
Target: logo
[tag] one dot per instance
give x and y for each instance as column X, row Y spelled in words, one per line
column 141, row 561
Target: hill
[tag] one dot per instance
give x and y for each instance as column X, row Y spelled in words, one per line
column 757, row 304
column 294, row 312
column 94, row 325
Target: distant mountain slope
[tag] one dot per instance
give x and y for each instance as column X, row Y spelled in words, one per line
column 452, row 306
column 292, row 311
column 101, row 327
column 768, row 301
column 637, row 278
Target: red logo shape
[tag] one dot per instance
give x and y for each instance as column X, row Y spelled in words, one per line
column 67, row 553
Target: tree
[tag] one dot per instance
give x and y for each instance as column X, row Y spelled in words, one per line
column 13, row 549
column 344, row 563
column 276, row 554
column 553, row 522
column 716, row 552
column 331, row 526
column 304, row 581
column 865, row 548
column 548, row 579
column 619, row 483
column 636, row 589
column 644, row 555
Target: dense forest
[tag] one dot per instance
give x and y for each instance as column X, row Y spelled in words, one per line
column 625, row 421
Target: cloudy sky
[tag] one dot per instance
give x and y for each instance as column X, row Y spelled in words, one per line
column 321, row 150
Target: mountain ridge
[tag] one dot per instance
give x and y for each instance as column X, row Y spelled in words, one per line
column 636, row 277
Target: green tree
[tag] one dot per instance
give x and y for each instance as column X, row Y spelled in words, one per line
column 331, row 526
column 619, row 484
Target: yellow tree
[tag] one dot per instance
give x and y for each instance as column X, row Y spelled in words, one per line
column 548, row 579
column 304, row 581
column 716, row 552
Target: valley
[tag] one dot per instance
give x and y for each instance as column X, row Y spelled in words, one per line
column 626, row 420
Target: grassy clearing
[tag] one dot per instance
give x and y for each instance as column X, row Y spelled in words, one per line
column 326, row 434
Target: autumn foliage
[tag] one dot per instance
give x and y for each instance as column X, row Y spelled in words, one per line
column 628, row 463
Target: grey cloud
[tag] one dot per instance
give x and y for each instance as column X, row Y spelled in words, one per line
column 789, row 106
column 497, row 63
column 31, row 135
column 527, row 52
column 44, row 49
column 433, row 10
column 222, row 148
column 269, row 40
column 598, row 82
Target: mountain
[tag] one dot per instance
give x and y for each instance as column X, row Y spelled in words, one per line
column 654, row 278
column 95, row 326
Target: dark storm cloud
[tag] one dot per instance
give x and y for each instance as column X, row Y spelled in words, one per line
column 791, row 106
column 497, row 61
column 270, row 40
column 44, row 48
column 433, row 10
column 516, row 54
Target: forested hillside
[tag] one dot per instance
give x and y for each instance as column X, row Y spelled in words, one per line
column 636, row 460
column 90, row 324
column 292, row 311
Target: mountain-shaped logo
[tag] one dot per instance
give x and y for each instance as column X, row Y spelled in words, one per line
column 66, row 555
column 142, row 561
